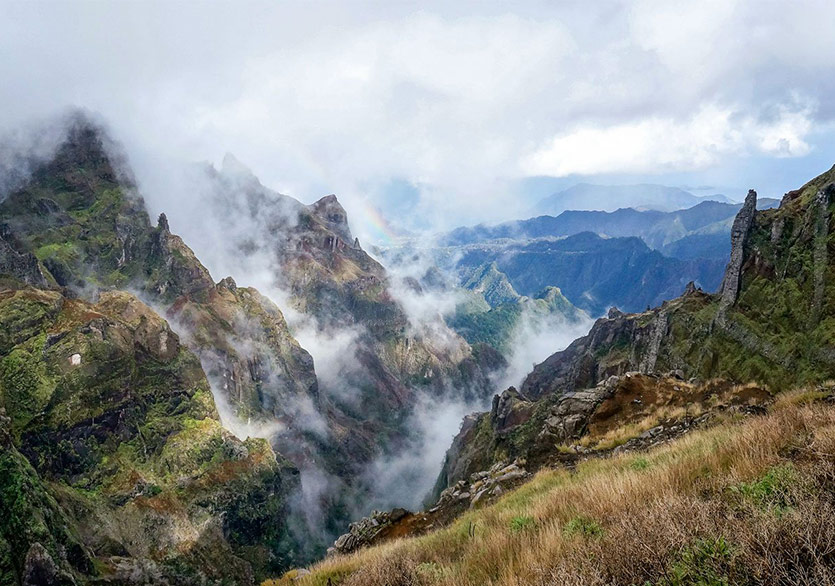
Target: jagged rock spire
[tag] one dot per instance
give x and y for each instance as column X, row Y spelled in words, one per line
column 739, row 237
column 331, row 212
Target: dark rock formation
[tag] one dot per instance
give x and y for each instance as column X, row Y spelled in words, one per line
column 739, row 238
column 40, row 569
column 509, row 409
column 19, row 265
column 367, row 530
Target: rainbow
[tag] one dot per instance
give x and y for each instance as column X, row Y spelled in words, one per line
column 375, row 228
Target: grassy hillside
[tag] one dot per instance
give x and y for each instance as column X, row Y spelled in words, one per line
column 746, row 502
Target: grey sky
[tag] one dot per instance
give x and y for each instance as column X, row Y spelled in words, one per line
column 458, row 104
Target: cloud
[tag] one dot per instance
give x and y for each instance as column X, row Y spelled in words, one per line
column 406, row 478
column 666, row 144
column 456, row 99
column 536, row 337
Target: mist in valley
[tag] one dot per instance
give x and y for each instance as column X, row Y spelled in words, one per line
column 317, row 162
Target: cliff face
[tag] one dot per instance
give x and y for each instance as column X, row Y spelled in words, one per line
column 115, row 463
column 770, row 324
column 332, row 280
column 77, row 229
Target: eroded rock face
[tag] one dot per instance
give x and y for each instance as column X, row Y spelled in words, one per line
column 509, row 410
column 20, row 265
column 568, row 419
column 40, row 569
column 739, row 238
column 367, row 530
column 584, row 363
column 148, row 477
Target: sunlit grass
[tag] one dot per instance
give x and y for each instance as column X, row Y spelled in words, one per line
column 630, row 518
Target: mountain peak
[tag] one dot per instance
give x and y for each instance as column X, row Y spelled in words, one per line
column 331, row 212
column 234, row 169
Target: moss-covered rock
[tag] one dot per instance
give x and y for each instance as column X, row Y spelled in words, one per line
column 116, row 458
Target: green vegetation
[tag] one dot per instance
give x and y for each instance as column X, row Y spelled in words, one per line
column 128, row 429
column 493, row 327
column 639, row 463
column 705, row 563
column 583, row 527
column 522, row 523
column 773, row 490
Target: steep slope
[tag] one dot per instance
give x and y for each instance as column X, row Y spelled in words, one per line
column 115, row 464
column 739, row 504
column 331, row 279
column 78, row 226
column 489, row 282
column 638, row 381
column 339, row 293
column 504, row 311
column 81, row 216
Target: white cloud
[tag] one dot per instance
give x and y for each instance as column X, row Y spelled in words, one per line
column 665, row 144
column 343, row 97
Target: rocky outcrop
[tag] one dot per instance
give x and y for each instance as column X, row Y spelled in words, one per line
column 367, row 530
column 19, row 265
column 509, row 409
column 820, row 208
column 739, row 239
column 640, row 340
column 559, row 428
column 481, row 487
column 40, row 569
column 657, row 333
column 568, row 419
column 478, row 490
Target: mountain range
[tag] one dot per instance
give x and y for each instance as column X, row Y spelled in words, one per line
column 608, row 198
column 124, row 364
column 660, row 230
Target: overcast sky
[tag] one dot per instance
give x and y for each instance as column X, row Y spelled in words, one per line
column 435, row 114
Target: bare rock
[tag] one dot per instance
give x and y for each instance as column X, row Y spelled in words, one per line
column 739, row 238
column 40, row 569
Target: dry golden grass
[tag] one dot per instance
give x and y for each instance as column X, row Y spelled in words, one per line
column 620, row 435
column 749, row 503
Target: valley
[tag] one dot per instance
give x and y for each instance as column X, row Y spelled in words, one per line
column 163, row 427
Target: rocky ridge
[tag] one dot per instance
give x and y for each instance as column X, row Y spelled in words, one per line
column 76, row 232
